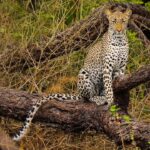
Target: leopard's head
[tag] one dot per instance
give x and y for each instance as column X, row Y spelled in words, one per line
column 118, row 19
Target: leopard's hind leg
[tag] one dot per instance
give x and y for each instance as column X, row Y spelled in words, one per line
column 87, row 90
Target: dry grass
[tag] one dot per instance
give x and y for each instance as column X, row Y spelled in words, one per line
column 42, row 137
column 19, row 27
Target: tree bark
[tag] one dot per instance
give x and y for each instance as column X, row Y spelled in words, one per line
column 80, row 35
column 78, row 116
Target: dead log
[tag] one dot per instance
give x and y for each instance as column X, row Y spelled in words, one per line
column 80, row 35
column 79, row 116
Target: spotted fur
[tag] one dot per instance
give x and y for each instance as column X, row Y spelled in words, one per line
column 105, row 61
column 32, row 112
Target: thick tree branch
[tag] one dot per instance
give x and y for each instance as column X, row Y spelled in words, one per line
column 77, row 116
column 130, row 81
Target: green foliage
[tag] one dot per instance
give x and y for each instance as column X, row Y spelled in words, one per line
column 126, row 118
column 147, row 5
column 114, row 108
column 130, row 1
column 132, row 135
column 136, row 49
column 114, row 111
column 49, row 17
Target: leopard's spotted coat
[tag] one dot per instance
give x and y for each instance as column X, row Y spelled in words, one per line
column 106, row 60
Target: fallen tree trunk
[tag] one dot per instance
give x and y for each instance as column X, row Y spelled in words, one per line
column 80, row 35
column 78, row 116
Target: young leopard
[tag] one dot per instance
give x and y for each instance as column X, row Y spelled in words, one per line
column 106, row 60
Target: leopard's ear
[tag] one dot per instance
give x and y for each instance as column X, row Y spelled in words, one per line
column 107, row 12
column 128, row 12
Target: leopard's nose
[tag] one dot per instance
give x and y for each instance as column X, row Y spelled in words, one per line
column 119, row 27
column 119, row 30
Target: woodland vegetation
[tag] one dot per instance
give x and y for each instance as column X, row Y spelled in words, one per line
column 43, row 46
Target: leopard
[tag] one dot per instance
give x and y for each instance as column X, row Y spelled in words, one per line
column 105, row 61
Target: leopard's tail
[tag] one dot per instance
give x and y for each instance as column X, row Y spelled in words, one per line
column 32, row 112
